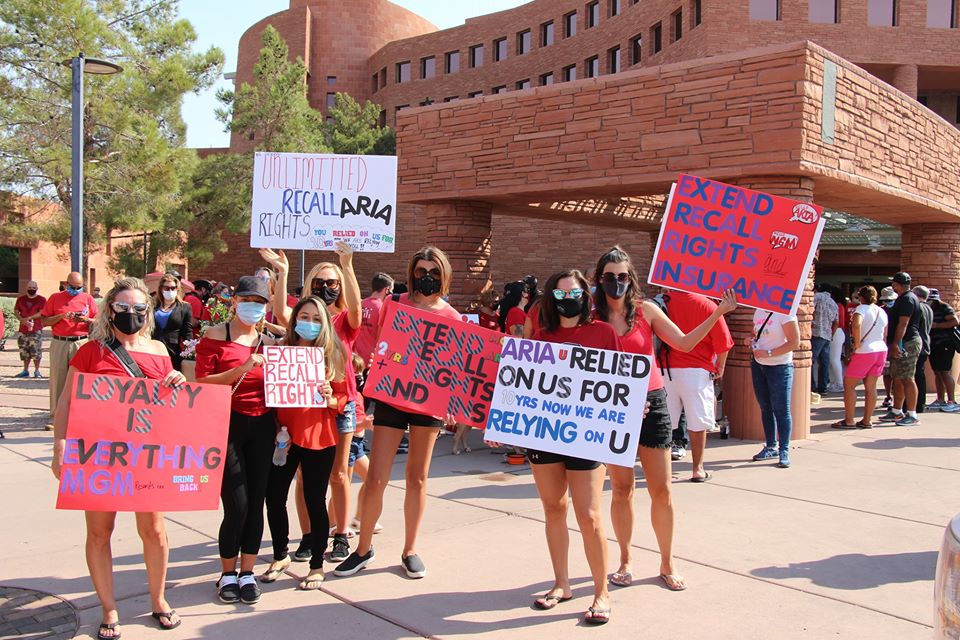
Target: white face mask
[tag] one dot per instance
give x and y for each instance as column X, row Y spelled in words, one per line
column 169, row 296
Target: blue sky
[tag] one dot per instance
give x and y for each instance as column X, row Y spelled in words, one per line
column 220, row 23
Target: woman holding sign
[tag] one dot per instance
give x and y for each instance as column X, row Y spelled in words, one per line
column 120, row 345
column 619, row 302
column 231, row 354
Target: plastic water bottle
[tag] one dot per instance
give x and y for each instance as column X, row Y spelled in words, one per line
column 724, row 428
column 280, row 452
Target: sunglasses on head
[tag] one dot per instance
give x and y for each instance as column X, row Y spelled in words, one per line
column 573, row 294
column 332, row 283
column 616, row 277
column 420, row 272
column 140, row 308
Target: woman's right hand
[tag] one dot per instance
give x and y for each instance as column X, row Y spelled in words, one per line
column 278, row 260
column 57, row 460
column 255, row 360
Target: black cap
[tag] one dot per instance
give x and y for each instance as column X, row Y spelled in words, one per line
column 202, row 284
column 253, row 286
column 902, row 277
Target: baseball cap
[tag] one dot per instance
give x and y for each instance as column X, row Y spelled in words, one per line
column 933, row 295
column 252, row 286
column 887, row 294
column 901, row 277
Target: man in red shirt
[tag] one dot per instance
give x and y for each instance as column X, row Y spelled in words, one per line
column 69, row 314
column 382, row 286
column 197, row 299
column 27, row 309
column 689, row 376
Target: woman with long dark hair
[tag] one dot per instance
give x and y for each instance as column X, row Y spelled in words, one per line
column 620, row 302
column 512, row 308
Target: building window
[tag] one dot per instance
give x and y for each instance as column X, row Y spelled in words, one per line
column 591, row 67
column 475, row 94
column 499, row 49
column 476, row 56
column 428, row 67
column 546, row 79
column 546, row 34
column 426, row 103
column 570, row 24
column 942, row 13
column 677, row 25
column 636, row 49
column 383, row 77
column 452, row 62
column 882, row 13
column 451, row 98
column 697, row 12
column 331, row 80
column 570, row 73
column 403, row 71
column 524, row 84
column 382, row 120
column 957, row 119
column 764, row 9
column 400, row 107
column 331, row 101
column 593, row 14
column 524, row 40
column 614, row 8
column 613, row 60
column 501, row 89
column 923, row 100
column 824, row 11
column 656, row 34
column 375, row 83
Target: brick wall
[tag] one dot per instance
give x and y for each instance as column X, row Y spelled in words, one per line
column 931, row 255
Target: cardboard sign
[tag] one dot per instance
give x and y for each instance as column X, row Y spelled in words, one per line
column 292, row 376
column 312, row 201
column 572, row 400
column 431, row 365
column 136, row 445
column 716, row 236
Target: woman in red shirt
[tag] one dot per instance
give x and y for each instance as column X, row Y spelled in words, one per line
column 313, row 443
column 487, row 313
column 512, row 304
column 231, row 354
column 619, row 301
column 125, row 320
column 429, row 273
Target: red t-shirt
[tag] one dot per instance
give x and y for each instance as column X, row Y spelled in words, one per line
column 640, row 340
column 842, row 317
column 217, row 356
column 63, row 302
column 515, row 316
column 313, row 428
column 93, row 357
column 369, row 326
column 348, row 336
column 595, row 334
column 688, row 311
column 447, row 311
column 488, row 321
column 200, row 311
column 27, row 306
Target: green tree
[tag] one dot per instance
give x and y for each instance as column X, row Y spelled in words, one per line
column 135, row 161
column 352, row 128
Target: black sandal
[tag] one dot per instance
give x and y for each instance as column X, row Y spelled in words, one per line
column 842, row 424
column 168, row 616
column 112, row 626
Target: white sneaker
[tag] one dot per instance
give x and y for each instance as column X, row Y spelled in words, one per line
column 355, row 525
column 950, row 407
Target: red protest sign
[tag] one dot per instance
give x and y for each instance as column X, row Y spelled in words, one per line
column 136, row 445
column 292, row 376
column 432, row 365
column 716, row 236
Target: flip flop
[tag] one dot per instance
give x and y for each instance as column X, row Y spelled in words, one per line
column 673, row 582
column 864, row 425
column 549, row 601
column 702, row 478
column 842, row 424
column 597, row 615
column 159, row 616
column 271, row 574
column 112, row 626
column 311, row 582
column 621, row 578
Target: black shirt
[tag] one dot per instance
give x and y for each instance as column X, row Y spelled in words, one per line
column 906, row 306
column 941, row 311
column 925, row 323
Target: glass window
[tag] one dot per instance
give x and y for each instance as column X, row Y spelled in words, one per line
column 476, row 56
column 546, row 79
column 523, row 84
column 523, row 42
column 475, row 94
column 499, row 49
column 591, row 67
column 331, row 100
column 942, row 13
column 501, row 89
column 403, row 71
column 636, row 49
column 400, row 107
column 382, row 120
column 677, row 26
column 613, row 60
column 331, row 80
column 546, row 34
column 882, row 13
column 697, row 12
column 428, row 67
column 451, row 99
column 764, row 9
column 614, row 8
column 657, row 32
column 383, row 77
column 570, row 73
column 593, row 14
column 375, row 83
column 824, row 11
column 452, row 62
column 570, row 24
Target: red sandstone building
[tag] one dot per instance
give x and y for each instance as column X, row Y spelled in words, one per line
column 534, row 138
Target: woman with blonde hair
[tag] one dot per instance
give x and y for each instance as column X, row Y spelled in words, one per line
column 120, row 345
column 173, row 318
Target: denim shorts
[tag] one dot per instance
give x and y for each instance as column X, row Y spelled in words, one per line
column 358, row 449
column 347, row 421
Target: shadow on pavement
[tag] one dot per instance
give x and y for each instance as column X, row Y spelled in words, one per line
column 904, row 443
column 856, row 571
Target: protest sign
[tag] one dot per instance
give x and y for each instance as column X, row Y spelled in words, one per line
column 572, row 400
column 432, row 365
column 472, row 318
column 292, row 376
column 716, row 236
column 313, row 201
column 136, row 445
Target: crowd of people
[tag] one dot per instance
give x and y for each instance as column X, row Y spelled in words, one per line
column 135, row 332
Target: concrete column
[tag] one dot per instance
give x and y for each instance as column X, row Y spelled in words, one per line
column 462, row 230
column 905, row 79
column 739, row 402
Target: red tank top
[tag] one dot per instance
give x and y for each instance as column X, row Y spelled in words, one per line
column 640, row 340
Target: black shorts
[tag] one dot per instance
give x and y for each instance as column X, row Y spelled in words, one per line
column 657, row 429
column 941, row 356
column 388, row 415
column 569, row 462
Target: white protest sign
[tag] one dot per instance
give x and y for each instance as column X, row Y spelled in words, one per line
column 572, row 400
column 472, row 318
column 292, row 376
column 312, row 201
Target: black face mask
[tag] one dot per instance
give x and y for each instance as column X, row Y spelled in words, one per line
column 495, row 305
column 427, row 285
column 568, row 308
column 615, row 289
column 129, row 323
column 325, row 293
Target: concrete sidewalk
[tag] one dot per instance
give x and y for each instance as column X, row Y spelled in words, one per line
column 842, row 545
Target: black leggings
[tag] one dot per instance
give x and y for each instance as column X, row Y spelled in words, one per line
column 315, row 466
column 245, row 473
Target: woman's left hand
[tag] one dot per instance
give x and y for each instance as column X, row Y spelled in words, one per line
column 728, row 302
column 345, row 252
column 449, row 420
column 173, row 379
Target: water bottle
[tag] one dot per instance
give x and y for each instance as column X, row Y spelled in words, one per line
column 724, row 428
column 280, row 452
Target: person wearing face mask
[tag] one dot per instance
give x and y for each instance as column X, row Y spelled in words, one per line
column 488, row 309
column 338, row 288
column 123, row 325
column 512, row 305
column 313, row 443
column 620, row 302
column 197, row 299
column 232, row 354
column 27, row 309
column 173, row 318
column 68, row 313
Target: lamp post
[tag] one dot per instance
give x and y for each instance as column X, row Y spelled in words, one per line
column 80, row 65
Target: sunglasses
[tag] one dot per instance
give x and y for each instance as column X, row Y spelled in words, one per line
column 616, row 277
column 73, row 288
column 560, row 294
column 420, row 272
column 140, row 308
column 332, row 283
column 169, row 288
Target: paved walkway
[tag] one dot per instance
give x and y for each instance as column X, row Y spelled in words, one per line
column 842, row 545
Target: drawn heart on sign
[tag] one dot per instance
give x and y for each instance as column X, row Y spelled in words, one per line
column 563, row 354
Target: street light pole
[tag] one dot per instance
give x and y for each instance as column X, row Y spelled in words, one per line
column 76, row 169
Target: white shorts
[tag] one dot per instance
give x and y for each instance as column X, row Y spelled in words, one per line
column 691, row 391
